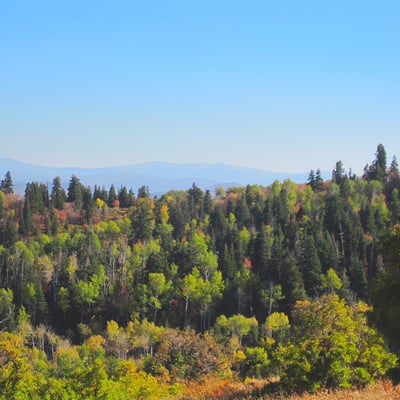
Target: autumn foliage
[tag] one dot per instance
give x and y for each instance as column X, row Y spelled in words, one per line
column 106, row 294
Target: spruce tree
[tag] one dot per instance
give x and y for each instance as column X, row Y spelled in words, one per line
column 377, row 170
column 338, row 173
column 75, row 194
column 292, row 284
column 6, row 185
column 112, row 196
column 87, row 203
column 311, row 267
column 58, row 195
column 123, row 197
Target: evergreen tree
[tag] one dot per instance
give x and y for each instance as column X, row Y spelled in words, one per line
column 143, row 192
column 377, row 170
column 338, row 173
column 142, row 220
column 219, row 228
column 87, row 203
column 394, row 169
column 177, row 213
column 8, row 230
column 58, row 195
column 392, row 184
column 6, row 184
column 311, row 178
column 100, row 193
column 124, row 198
column 112, row 196
column 315, row 181
column 262, row 255
column 75, row 190
column 319, row 182
column 26, row 221
column 394, row 206
column 38, row 197
column 242, row 213
column 358, row 280
column 292, row 284
column 311, row 267
column 195, row 202
column 207, row 203
column 380, row 164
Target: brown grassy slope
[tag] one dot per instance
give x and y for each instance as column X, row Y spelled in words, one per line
column 225, row 390
column 379, row 391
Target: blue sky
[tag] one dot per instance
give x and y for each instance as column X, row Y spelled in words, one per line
column 280, row 85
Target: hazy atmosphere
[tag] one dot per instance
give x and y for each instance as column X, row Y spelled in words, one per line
column 288, row 86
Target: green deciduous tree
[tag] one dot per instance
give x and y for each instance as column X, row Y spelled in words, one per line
column 158, row 285
column 201, row 293
column 277, row 327
column 237, row 325
column 331, row 346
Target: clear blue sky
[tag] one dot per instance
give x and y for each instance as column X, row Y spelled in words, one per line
column 279, row 85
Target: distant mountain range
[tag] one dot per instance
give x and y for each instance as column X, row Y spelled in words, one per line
column 160, row 177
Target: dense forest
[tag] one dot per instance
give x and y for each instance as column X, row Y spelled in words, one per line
column 107, row 293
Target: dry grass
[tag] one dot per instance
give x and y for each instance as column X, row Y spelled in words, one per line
column 225, row 390
column 380, row 391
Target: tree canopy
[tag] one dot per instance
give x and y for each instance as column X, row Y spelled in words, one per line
column 107, row 292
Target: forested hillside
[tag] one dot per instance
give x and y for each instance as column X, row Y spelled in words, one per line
column 109, row 293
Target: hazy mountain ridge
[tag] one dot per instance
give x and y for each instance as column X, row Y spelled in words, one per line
column 160, row 177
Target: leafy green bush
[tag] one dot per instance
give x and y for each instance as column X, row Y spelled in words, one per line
column 331, row 346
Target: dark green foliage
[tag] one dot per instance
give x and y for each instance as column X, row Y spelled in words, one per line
column 377, row 170
column 35, row 205
column 195, row 202
column 6, row 184
column 112, row 196
column 358, row 280
column 8, row 229
column 315, row 181
column 142, row 218
column 292, row 283
column 100, row 193
column 87, row 203
column 125, row 200
column 338, row 173
column 385, row 290
column 58, row 195
column 143, row 192
column 75, row 192
column 311, row 267
column 242, row 213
